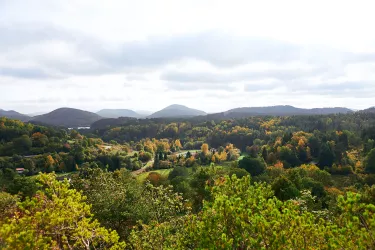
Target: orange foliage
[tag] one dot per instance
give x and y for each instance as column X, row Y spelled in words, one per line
column 49, row 161
column 154, row 178
column 229, row 147
column 279, row 164
column 177, row 143
column 37, row 135
column 334, row 191
column 204, row 148
column 301, row 143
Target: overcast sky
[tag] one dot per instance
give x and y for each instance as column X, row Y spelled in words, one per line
column 209, row 55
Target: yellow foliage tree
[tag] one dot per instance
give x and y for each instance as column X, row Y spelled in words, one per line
column 205, row 148
column 177, row 143
column 49, row 161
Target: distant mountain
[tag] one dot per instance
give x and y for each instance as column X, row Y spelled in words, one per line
column 14, row 115
column 144, row 112
column 369, row 110
column 36, row 113
column 67, row 117
column 290, row 110
column 177, row 111
column 276, row 111
column 116, row 113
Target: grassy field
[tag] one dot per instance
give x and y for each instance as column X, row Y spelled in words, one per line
column 183, row 152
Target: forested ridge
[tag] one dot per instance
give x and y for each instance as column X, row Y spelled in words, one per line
column 260, row 182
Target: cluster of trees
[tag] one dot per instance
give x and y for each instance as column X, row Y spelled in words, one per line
column 111, row 210
column 336, row 142
column 21, row 138
column 299, row 182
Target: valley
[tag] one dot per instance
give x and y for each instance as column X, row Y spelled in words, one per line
column 178, row 167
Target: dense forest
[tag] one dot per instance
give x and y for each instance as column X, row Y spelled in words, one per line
column 258, row 182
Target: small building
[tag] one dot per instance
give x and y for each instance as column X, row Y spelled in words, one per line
column 20, row 170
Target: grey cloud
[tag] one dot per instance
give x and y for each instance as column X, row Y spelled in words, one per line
column 191, row 86
column 28, row 73
column 250, row 75
column 219, row 49
column 358, row 89
column 349, row 88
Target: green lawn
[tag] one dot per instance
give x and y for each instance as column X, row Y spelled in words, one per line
column 183, row 152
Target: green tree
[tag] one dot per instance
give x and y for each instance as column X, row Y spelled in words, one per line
column 326, row 157
column 254, row 166
column 285, row 189
column 56, row 218
column 370, row 162
column 242, row 215
column 264, row 153
column 178, row 171
column 288, row 157
column 22, row 144
column 115, row 198
column 8, row 205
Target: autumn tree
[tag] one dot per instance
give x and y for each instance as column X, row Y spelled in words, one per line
column 205, row 149
column 178, row 144
column 56, row 218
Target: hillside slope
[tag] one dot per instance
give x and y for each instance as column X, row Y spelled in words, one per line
column 289, row 110
column 116, row 113
column 14, row 115
column 176, row 110
column 67, row 117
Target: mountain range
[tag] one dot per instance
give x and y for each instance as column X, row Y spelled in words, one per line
column 70, row 117
column 67, row 117
column 178, row 111
column 116, row 113
column 14, row 115
column 281, row 110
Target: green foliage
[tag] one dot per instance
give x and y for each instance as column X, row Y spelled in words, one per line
column 57, row 217
column 288, row 157
column 370, row 162
column 165, row 204
column 327, row 156
column 239, row 172
column 285, row 189
column 178, row 171
column 116, row 198
column 8, row 205
column 357, row 221
column 255, row 166
column 246, row 216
